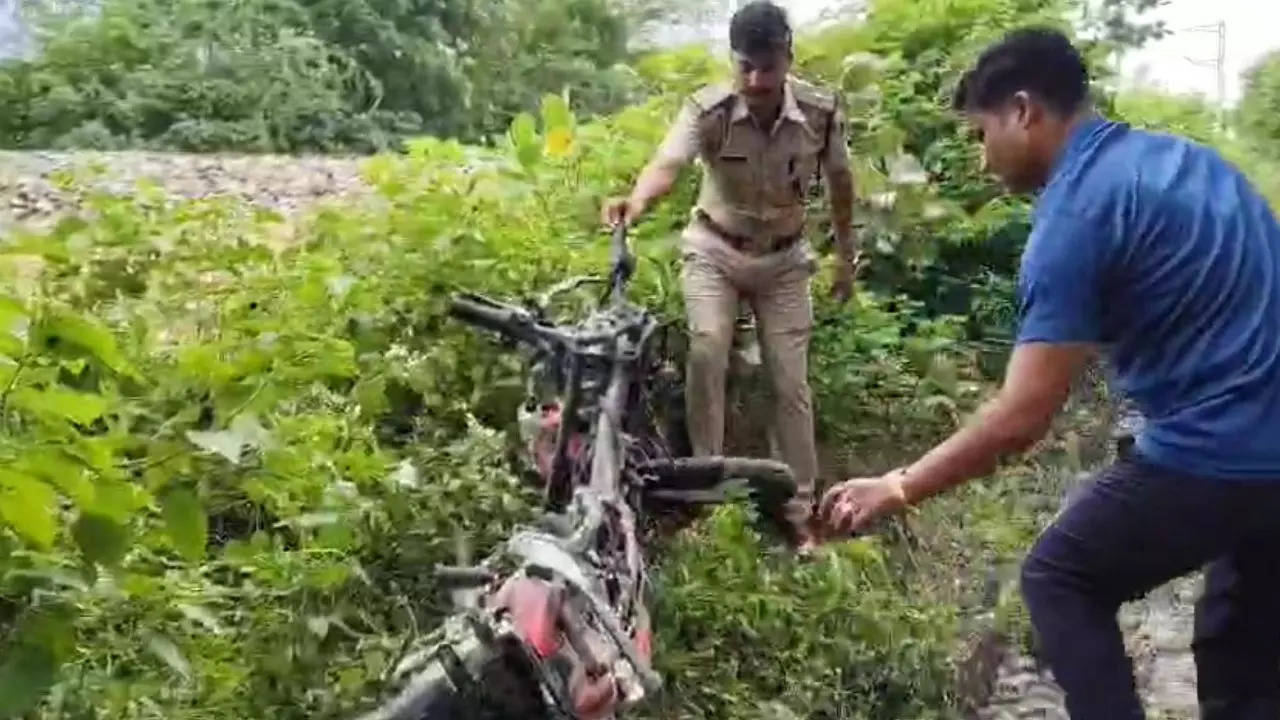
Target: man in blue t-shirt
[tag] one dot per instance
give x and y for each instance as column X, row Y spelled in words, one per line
column 1161, row 256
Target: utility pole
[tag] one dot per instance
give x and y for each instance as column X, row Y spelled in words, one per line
column 1218, row 63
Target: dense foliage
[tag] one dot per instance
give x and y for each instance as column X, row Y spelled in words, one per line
column 1259, row 111
column 226, row 502
column 307, row 75
column 233, row 443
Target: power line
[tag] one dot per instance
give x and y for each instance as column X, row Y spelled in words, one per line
column 1218, row 63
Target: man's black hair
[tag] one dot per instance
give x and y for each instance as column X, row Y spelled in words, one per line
column 1039, row 61
column 759, row 27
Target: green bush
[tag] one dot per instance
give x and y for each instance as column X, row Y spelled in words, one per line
column 307, row 75
column 233, row 446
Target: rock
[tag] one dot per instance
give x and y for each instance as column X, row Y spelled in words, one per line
column 29, row 192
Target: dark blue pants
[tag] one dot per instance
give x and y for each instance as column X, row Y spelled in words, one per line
column 1132, row 529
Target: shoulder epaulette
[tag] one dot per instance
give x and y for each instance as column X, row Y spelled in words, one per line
column 711, row 97
column 807, row 94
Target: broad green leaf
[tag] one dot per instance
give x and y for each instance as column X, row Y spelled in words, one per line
column 62, row 471
column 101, row 539
column 185, row 522
column 56, row 403
column 82, row 333
column 26, row 674
column 11, row 346
column 101, row 453
column 340, row 537
column 13, row 317
column 327, row 576
column 524, row 136
column 117, row 499
column 11, row 312
column 29, row 506
column 556, row 114
column 166, row 459
column 164, row 648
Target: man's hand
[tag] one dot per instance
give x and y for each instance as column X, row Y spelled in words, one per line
column 655, row 181
column 620, row 211
column 1036, row 385
column 853, row 505
column 845, row 271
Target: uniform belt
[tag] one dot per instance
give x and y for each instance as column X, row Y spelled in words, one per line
column 741, row 242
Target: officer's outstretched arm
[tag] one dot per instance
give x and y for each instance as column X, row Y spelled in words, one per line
column 657, row 179
column 678, row 149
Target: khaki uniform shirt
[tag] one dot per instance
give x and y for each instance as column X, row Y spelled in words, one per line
column 755, row 179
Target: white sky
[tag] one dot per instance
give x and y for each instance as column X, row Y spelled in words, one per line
column 1253, row 28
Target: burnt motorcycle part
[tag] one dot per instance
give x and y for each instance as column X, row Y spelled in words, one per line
column 559, row 487
column 712, row 480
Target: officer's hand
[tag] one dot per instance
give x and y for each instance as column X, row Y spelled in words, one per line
column 842, row 285
column 619, row 211
column 853, row 505
column 845, row 272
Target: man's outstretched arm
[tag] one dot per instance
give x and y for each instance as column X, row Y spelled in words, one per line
column 678, row 149
column 1037, row 383
column 655, row 181
column 1060, row 290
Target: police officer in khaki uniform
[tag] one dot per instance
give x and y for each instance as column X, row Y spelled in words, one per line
column 761, row 145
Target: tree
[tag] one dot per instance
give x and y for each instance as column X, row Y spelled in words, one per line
column 188, row 75
column 307, row 75
column 1259, row 111
column 536, row 47
column 415, row 50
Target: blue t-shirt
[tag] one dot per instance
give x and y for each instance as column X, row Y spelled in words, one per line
column 1158, row 249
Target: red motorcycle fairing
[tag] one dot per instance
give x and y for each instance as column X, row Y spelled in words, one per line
column 535, row 607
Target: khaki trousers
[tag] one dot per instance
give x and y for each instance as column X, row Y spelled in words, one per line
column 715, row 277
